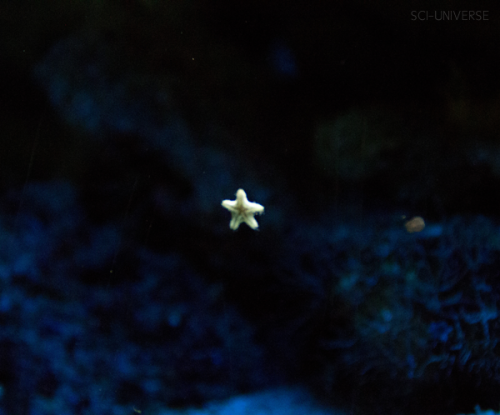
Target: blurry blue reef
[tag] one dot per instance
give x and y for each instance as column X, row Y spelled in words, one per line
column 82, row 333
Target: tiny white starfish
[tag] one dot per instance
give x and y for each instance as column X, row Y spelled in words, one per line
column 242, row 210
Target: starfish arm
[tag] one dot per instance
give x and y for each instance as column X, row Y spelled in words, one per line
column 241, row 197
column 236, row 221
column 229, row 205
column 250, row 221
column 255, row 207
